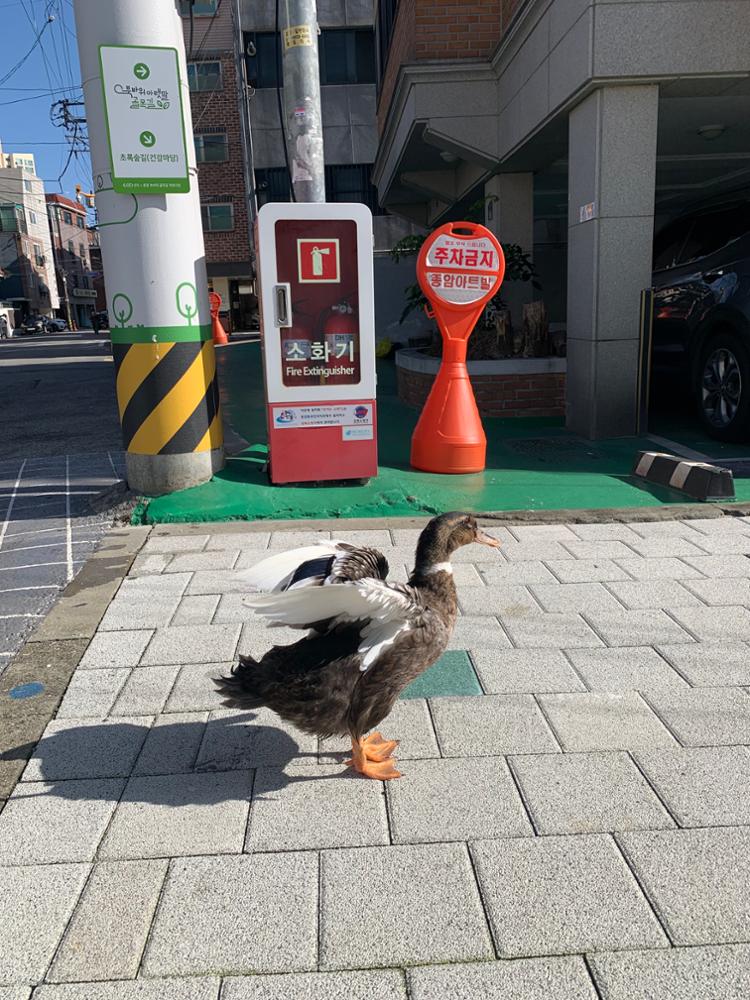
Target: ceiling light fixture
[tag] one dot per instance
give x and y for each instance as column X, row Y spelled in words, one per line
column 448, row 157
column 711, row 132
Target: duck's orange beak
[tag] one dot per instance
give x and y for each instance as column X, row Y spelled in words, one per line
column 484, row 539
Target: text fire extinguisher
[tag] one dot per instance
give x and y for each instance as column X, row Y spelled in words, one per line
column 340, row 336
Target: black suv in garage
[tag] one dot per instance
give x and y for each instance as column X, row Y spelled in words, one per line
column 701, row 284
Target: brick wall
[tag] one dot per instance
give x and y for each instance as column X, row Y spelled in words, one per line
column 541, row 395
column 223, row 181
column 428, row 30
column 451, row 29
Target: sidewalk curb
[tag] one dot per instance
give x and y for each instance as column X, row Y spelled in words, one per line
column 52, row 652
column 605, row 515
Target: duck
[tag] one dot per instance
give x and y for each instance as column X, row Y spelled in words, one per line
column 366, row 637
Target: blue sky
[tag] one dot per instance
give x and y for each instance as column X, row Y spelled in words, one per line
column 50, row 72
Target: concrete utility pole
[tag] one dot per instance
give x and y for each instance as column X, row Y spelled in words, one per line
column 152, row 244
column 61, row 272
column 304, row 125
column 68, row 312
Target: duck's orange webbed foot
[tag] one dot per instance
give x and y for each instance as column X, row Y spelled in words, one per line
column 383, row 769
column 376, row 748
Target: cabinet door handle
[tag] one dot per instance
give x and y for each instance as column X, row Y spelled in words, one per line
column 282, row 305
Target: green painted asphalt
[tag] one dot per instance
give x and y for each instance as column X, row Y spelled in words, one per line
column 452, row 675
column 532, row 464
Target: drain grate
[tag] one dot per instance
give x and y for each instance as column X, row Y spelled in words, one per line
column 555, row 450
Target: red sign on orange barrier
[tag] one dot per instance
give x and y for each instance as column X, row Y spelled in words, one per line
column 459, row 268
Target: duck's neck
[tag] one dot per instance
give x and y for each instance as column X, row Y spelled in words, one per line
column 432, row 564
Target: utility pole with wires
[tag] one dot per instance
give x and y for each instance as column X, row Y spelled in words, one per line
column 154, row 259
column 303, row 125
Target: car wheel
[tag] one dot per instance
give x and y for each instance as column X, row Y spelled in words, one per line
column 723, row 387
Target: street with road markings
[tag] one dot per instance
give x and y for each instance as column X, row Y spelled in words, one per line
column 60, row 448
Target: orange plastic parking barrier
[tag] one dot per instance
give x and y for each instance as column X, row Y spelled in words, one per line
column 459, row 268
column 218, row 332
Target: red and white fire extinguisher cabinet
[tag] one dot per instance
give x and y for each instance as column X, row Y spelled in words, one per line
column 318, row 338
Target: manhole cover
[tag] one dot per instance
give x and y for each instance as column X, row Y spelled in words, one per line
column 555, row 450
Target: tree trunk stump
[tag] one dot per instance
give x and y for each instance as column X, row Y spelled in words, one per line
column 504, row 331
column 535, row 330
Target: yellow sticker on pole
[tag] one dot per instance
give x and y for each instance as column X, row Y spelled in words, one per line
column 298, row 34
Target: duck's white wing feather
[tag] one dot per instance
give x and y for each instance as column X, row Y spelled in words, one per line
column 385, row 610
column 272, row 573
column 315, row 565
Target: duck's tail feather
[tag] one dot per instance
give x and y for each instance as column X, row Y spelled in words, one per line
column 240, row 689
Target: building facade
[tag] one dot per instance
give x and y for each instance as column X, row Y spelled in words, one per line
column 346, row 46
column 70, row 240
column 586, row 124
column 238, row 137
column 27, row 272
column 222, row 156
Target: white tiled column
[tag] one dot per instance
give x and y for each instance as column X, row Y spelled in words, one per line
column 612, row 169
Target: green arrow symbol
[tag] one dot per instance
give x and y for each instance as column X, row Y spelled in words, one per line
column 147, row 139
column 142, row 71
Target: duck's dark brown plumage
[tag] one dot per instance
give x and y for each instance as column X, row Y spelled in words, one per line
column 318, row 683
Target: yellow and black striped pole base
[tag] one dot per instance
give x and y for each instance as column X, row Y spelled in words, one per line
column 168, row 397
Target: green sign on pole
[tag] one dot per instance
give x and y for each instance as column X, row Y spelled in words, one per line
column 144, row 115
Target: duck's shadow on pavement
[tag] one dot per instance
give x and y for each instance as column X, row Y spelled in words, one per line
column 171, row 763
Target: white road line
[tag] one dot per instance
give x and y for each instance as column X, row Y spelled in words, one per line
column 68, row 525
column 38, row 586
column 50, row 545
column 25, row 615
column 111, row 462
column 8, row 569
column 54, row 494
column 36, row 531
column 6, row 522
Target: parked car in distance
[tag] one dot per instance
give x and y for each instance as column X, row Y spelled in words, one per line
column 56, row 325
column 701, row 281
column 33, row 324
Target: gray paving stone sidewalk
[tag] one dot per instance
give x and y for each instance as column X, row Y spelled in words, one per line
column 578, row 831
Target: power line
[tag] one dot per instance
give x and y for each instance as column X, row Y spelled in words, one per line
column 44, row 90
column 35, row 28
column 33, row 142
column 23, row 100
column 23, row 58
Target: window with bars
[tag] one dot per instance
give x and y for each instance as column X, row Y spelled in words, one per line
column 12, row 219
column 346, row 55
column 217, row 216
column 346, row 182
column 68, row 218
column 211, row 147
column 387, row 10
column 203, row 76
column 201, row 8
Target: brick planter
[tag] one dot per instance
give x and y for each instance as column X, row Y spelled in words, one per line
column 512, row 387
